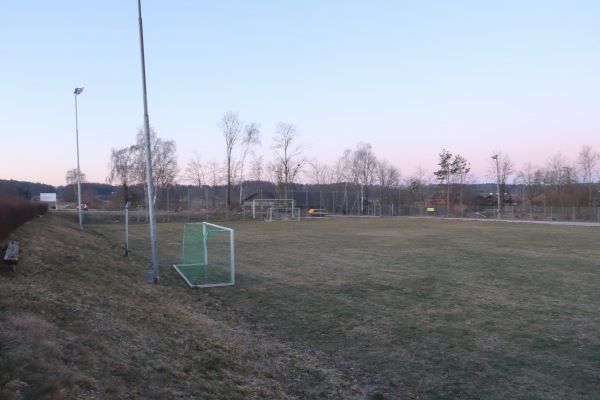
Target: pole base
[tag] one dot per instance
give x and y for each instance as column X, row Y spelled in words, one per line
column 149, row 276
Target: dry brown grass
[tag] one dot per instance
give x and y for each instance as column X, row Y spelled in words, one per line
column 328, row 308
column 76, row 321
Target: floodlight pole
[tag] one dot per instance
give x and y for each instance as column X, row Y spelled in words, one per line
column 76, row 92
column 152, row 275
column 495, row 157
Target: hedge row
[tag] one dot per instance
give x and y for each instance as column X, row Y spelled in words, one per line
column 15, row 212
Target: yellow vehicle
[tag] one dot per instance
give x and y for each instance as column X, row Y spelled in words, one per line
column 317, row 212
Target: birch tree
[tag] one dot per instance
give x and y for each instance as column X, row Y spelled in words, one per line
column 361, row 164
column 121, row 167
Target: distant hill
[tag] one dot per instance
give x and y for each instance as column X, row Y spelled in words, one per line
column 24, row 190
column 29, row 190
column 99, row 189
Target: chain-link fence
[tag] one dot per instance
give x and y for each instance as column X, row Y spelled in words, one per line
column 210, row 205
column 538, row 213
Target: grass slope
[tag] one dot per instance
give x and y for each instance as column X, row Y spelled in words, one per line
column 76, row 321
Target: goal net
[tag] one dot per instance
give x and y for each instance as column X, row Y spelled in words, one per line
column 207, row 257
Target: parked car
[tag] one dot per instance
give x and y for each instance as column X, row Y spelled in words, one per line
column 317, row 212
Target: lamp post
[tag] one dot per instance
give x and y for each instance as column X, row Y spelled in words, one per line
column 495, row 157
column 77, row 92
column 150, row 276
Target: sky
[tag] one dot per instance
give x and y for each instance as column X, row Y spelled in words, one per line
column 409, row 78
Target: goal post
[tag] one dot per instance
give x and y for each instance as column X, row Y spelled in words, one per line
column 207, row 256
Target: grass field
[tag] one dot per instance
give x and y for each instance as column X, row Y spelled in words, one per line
column 423, row 308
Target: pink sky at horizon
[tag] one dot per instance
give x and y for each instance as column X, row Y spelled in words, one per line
column 409, row 79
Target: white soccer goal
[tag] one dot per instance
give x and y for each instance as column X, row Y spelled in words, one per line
column 278, row 214
column 207, row 257
column 261, row 207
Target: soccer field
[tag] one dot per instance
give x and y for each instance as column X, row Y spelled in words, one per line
column 437, row 308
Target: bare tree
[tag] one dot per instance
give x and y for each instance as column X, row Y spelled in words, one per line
column 164, row 161
column 321, row 174
column 340, row 168
column 214, row 173
column 71, row 178
column 289, row 156
column 195, row 171
column 214, row 176
column 257, row 169
column 588, row 163
column 559, row 175
column 234, row 173
column 275, row 174
column 250, row 141
column 387, row 177
column 231, row 127
column 343, row 175
column 417, row 184
column 361, row 164
column 121, row 167
column 531, row 177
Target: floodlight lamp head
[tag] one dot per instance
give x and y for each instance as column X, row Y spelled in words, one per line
column 495, row 157
column 77, row 91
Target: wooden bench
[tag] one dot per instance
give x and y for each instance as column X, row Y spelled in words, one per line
column 11, row 256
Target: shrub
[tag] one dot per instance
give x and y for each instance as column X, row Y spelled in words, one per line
column 15, row 212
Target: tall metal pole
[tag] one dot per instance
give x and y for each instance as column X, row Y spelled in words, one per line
column 149, row 276
column 127, row 229
column 495, row 157
column 76, row 92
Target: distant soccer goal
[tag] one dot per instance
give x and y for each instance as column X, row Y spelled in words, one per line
column 266, row 209
column 207, row 257
column 287, row 214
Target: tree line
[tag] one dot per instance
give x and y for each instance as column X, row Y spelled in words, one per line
column 359, row 166
column 561, row 182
